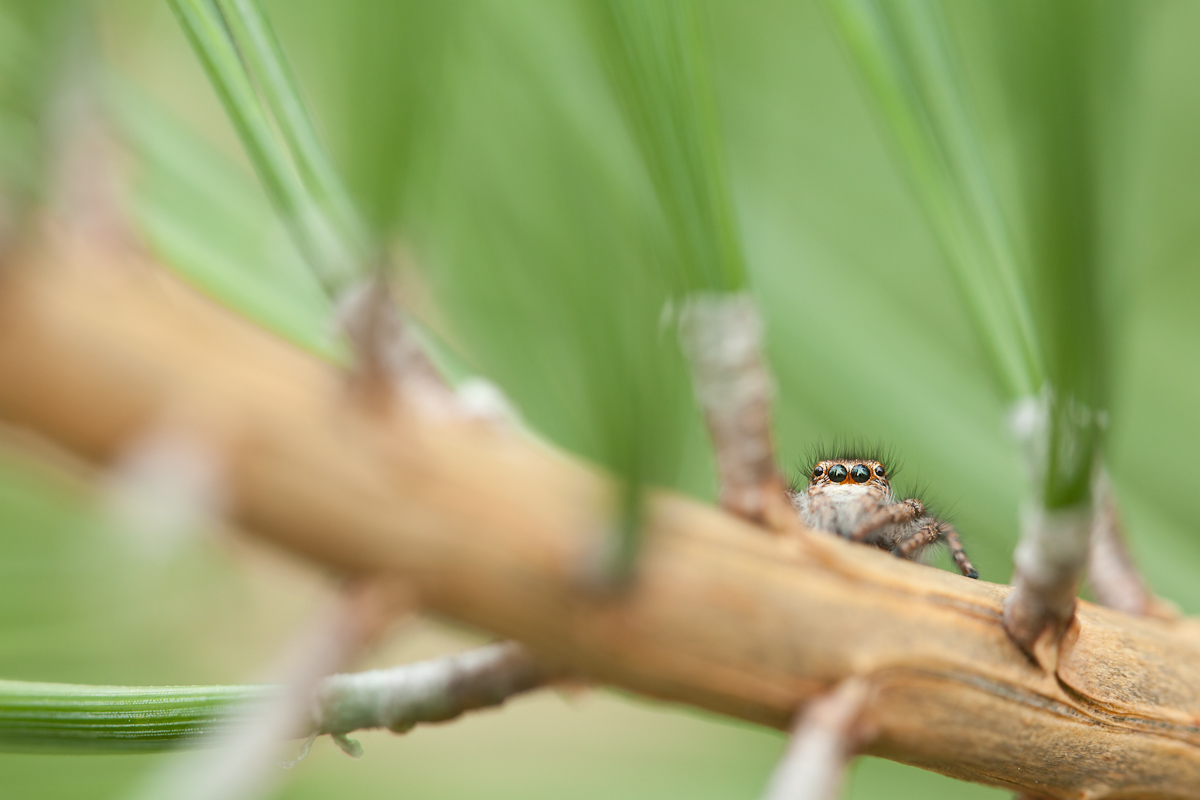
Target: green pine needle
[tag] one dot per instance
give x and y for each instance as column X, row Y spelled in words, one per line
column 67, row 718
column 328, row 254
column 264, row 58
column 1039, row 321
column 656, row 54
column 909, row 63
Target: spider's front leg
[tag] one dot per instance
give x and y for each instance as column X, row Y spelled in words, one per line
column 929, row 532
column 904, row 511
column 957, row 552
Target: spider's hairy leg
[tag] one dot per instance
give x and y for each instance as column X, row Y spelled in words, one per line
column 904, row 511
column 929, row 532
column 957, row 552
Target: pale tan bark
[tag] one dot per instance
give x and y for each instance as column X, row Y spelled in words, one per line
column 494, row 530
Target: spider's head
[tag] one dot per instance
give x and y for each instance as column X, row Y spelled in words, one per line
column 853, row 474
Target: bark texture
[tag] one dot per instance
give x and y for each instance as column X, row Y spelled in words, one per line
column 495, row 531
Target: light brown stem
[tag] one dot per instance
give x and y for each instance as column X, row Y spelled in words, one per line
column 827, row 734
column 429, row 691
column 492, row 530
column 1111, row 572
column 722, row 338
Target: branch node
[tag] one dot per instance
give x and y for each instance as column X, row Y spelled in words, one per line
column 390, row 360
column 1049, row 560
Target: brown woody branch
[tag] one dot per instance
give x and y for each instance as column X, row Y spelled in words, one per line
column 493, row 530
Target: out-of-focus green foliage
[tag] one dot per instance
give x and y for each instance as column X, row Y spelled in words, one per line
column 557, row 235
column 656, row 52
column 211, row 222
column 905, row 54
column 540, row 236
column 231, row 40
column 548, row 223
column 33, row 36
column 376, row 72
column 1042, row 326
column 1061, row 59
column 259, row 48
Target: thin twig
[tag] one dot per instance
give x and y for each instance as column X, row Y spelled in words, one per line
column 428, row 691
column 828, row 732
column 1113, row 576
column 721, row 335
column 242, row 766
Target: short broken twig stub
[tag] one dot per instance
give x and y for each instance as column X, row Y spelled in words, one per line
column 1049, row 561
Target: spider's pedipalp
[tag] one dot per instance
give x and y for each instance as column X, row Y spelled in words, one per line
column 893, row 514
column 927, row 531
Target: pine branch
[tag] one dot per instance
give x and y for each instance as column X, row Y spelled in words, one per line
column 493, row 530
column 69, row 718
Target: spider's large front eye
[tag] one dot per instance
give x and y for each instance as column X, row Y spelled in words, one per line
column 818, row 471
column 837, row 473
column 879, row 473
column 860, row 473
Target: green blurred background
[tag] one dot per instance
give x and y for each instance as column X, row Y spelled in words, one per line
column 534, row 225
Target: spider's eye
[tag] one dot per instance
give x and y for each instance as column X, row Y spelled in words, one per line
column 879, row 473
column 837, row 473
column 860, row 473
column 818, row 471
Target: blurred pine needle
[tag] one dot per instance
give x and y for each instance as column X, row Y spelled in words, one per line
column 656, row 54
column 296, row 191
column 1035, row 310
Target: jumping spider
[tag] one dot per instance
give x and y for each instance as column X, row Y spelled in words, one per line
column 853, row 498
